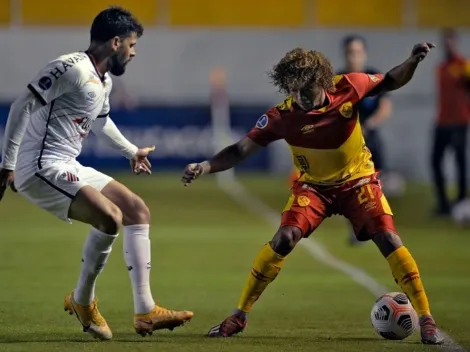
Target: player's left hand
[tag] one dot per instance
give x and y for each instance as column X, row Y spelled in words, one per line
column 191, row 173
column 421, row 50
column 140, row 163
column 6, row 180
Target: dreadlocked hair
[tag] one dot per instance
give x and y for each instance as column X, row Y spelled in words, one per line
column 301, row 69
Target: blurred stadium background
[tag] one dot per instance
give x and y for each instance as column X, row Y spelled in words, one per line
column 204, row 240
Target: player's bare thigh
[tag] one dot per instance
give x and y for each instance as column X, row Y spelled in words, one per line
column 91, row 207
column 134, row 211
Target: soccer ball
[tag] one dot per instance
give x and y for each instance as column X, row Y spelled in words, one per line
column 461, row 213
column 393, row 316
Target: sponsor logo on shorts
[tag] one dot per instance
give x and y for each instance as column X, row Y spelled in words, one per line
column 69, row 176
column 262, row 122
column 370, row 206
column 303, row 201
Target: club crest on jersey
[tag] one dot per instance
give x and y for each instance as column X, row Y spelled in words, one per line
column 262, row 122
column 374, row 78
column 45, row 83
column 346, row 110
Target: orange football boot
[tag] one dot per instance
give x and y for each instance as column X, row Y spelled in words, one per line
column 160, row 318
column 89, row 316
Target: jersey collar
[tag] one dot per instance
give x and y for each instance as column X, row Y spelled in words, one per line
column 102, row 78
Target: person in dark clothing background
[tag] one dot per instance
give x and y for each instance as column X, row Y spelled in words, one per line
column 373, row 111
column 450, row 128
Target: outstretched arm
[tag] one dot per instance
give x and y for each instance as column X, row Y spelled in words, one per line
column 400, row 75
column 265, row 131
column 224, row 160
column 230, row 156
column 105, row 128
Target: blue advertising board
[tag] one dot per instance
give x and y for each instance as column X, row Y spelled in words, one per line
column 181, row 134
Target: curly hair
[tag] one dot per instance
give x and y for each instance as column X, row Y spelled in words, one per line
column 302, row 69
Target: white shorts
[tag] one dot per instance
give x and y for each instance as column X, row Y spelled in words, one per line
column 55, row 185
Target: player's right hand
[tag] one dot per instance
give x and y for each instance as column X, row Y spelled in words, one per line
column 6, row 180
column 421, row 50
column 191, row 173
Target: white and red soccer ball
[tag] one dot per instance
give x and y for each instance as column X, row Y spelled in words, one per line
column 393, row 316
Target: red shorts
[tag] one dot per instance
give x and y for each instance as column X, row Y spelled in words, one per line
column 360, row 200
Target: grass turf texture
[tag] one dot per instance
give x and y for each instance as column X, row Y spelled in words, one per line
column 203, row 246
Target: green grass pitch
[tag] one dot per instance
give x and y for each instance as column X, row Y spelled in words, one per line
column 203, row 246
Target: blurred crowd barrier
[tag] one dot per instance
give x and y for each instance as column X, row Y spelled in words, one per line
column 240, row 13
column 182, row 134
column 167, row 84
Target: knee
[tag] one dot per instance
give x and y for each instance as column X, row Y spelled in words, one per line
column 137, row 211
column 110, row 221
column 387, row 242
column 286, row 239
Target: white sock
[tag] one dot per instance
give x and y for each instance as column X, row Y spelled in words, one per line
column 137, row 257
column 96, row 251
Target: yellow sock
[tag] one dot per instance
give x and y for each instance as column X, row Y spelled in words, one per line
column 265, row 269
column 406, row 274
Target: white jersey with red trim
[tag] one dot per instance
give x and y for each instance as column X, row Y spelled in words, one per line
column 73, row 94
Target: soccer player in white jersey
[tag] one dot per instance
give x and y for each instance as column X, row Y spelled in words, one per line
column 45, row 129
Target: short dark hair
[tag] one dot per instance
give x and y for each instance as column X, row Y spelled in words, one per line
column 353, row 38
column 302, row 69
column 112, row 22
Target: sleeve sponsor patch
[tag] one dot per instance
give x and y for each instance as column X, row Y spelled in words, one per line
column 262, row 122
column 45, row 83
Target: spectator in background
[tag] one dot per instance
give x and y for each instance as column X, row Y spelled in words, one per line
column 373, row 111
column 450, row 129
